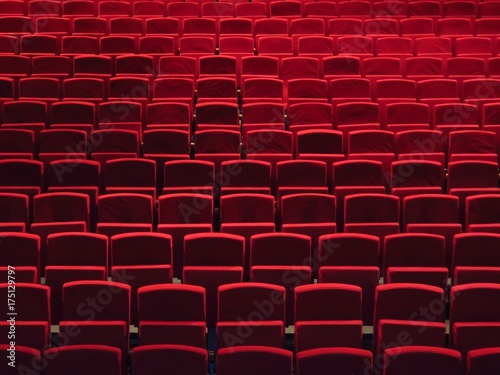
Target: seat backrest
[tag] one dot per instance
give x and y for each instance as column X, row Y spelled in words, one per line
column 382, row 208
column 32, row 302
column 247, row 208
column 125, row 208
column 254, row 360
column 155, row 303
column 310, row 302
column 236, row 301
column 185, row 208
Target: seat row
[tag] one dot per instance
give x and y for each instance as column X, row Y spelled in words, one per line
column 254, row 92
column 311, row 148
column 319, row 65
column 277, row 9
column 313, row 314
column 262, row 183
column 180, row 214
column 126, row 120
column 135, row 67
column 247, row 26
column 115, row 152
column 280, row 46
column 200, row 300
column 125, row 207
column 215, row 147
column 247, row 360
column 415, row 257
column 139, row 175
